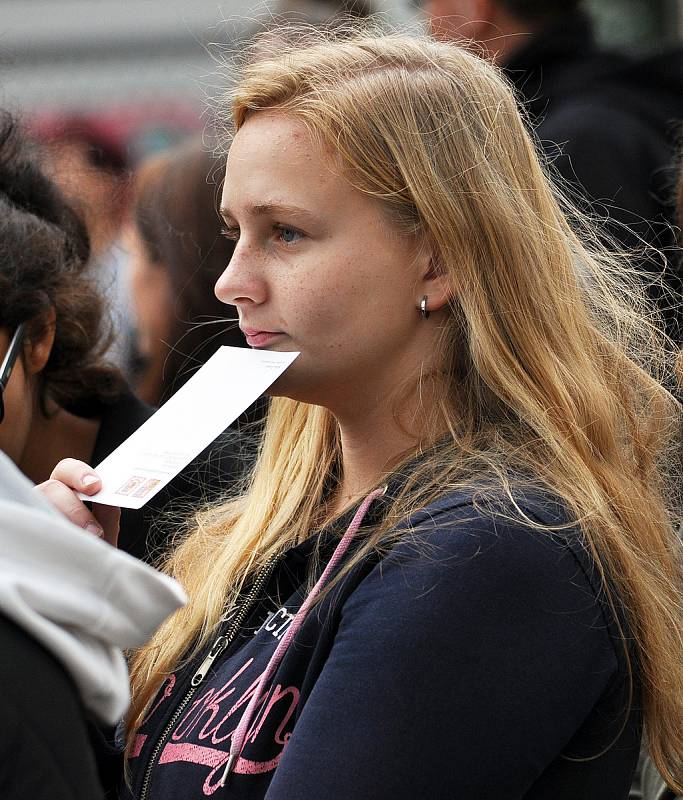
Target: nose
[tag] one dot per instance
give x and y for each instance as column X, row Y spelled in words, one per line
column 242, row 282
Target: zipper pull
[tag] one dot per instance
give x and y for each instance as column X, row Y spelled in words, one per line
column 216, row 649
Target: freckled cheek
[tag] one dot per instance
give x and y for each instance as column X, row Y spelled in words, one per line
column 310, row 317
column 344, row 330
column 327, row 305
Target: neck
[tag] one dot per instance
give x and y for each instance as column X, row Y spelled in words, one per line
column 54, row 437
column 374, row 442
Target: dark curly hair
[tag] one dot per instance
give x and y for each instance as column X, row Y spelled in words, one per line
column 44, row 252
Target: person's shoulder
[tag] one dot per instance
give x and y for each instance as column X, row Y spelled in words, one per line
column 492, row 506
column 509, row 530
column 499, row 557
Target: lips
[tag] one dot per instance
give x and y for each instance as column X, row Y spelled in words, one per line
column 258, row 338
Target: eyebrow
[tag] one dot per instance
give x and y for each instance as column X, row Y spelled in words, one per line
column 263, row 209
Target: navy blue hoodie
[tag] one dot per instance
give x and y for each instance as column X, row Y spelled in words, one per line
column 475, row 659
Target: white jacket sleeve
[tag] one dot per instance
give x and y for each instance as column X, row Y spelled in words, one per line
column 79, row 597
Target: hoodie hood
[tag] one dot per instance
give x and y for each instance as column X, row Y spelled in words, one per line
column 82, row 599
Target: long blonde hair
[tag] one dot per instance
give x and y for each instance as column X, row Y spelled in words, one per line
column 554, row 366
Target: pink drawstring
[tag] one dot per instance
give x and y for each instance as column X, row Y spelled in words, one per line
column 240, row 734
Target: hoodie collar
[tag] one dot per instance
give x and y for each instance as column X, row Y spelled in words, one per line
column 326, row 539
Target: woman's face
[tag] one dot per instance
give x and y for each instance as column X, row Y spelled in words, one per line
column 318, row 268
column 18, row 402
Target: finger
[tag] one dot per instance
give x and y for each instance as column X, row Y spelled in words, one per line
column 109, row 517
column 77, row 475
column 70, row 505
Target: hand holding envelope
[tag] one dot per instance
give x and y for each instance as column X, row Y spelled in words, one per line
column 70, row 480
column 230, row 381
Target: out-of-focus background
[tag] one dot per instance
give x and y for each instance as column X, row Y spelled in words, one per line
column 142, row 67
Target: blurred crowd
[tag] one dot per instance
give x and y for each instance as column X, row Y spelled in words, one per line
column 108, row 262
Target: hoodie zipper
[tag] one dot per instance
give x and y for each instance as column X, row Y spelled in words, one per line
column 217, row 648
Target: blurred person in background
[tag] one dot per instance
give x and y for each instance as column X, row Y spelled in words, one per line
column 177, row 253
column 64, row 398
column 89, row 164
column 606, row 121
column 48, row 299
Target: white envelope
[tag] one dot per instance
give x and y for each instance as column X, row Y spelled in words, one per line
column 230, row 381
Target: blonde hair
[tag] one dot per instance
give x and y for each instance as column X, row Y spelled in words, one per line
column 553, row 366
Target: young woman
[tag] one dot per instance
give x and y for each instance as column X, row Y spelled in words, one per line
column 454, row 571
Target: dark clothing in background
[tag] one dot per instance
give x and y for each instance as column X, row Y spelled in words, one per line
column 614, row 122
column 118, row 421
column 45, row 753
column 474, row 659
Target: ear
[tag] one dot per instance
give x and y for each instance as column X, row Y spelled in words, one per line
column 434, row 282
column 38, row 344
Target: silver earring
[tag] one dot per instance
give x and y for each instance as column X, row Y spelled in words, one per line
column 423, row 308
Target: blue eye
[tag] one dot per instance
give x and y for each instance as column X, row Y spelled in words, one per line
column 288, row 235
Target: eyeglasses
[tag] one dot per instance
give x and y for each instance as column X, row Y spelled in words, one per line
column 8, row 363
